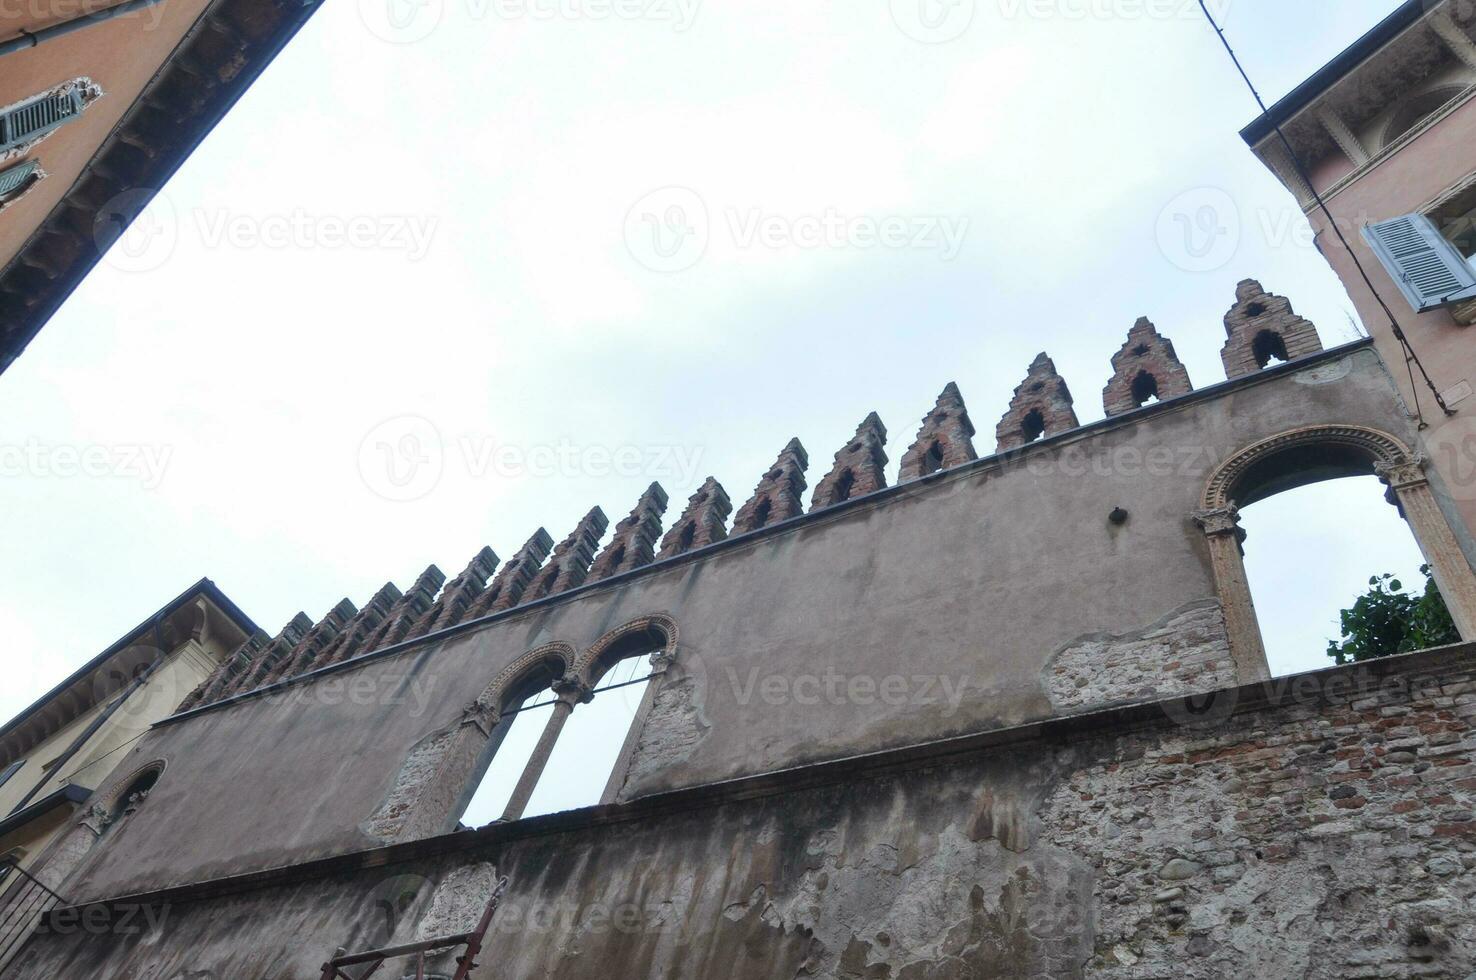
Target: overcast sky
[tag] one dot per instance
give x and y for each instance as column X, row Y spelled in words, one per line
column 572, row 246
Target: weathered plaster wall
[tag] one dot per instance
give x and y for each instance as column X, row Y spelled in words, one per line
column 1323, row 829
column 965, row 588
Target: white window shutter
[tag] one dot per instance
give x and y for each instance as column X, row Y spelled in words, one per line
column 1428, row 268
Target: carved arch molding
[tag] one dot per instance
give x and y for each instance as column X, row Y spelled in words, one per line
column 1401, row 471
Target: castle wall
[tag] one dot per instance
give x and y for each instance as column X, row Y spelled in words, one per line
column 1320, row 826
column 995, row 594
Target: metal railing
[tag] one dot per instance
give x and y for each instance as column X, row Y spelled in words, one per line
column 337, row 967
column 24, row 901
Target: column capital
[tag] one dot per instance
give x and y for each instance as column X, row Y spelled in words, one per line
column 572, row 691
column 662, row 660
column 1403, row 473
column 1221, row 520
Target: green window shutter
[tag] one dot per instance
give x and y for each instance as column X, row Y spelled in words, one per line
column 38, row 116
column 17, row 179
column 1429, row 270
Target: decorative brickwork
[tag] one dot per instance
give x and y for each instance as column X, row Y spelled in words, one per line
column 702, row 523
column 945, row 440
column 1041, row 407
column 860, row 466
column 508, row 587
column 779, row 495
column 311, row 646
column 634, row 544
column 458, row 595
column 1261, row 328
column 229, row 670
column 407, row 611
column 276, row 652
column 570, row 563
column 366, row 622
column 1146, row 367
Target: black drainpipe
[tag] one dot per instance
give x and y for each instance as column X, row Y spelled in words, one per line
column 29, row 39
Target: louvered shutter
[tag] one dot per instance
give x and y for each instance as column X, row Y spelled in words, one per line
column 36, row 117
column 1427, row 267
column 14, row 180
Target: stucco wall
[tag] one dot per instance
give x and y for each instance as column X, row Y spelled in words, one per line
column 970, row 587
column 1317, row 828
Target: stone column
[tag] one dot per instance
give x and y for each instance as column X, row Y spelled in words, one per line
column 1448, row 565
column 1222, row 531
column 570, row 692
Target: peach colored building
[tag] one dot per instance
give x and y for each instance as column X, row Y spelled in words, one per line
column 99, row 105
column 1386, row 134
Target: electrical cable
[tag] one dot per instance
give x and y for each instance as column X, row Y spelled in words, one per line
column 1411, row 359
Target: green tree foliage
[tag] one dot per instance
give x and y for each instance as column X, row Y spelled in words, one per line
column 1387, row 620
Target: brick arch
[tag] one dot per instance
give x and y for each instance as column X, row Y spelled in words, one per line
column 584, row 668
column 559, row 652
column 1380, row 448
column 1327, row 451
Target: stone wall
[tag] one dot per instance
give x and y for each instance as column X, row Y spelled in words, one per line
column 1318, row 826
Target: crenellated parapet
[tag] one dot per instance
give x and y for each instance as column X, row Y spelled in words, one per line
column 1143, row 370
column 945, row 440
column 458, row 595
column 860, row 466
column 512, row 581
column 634, row 543
column 779, row 495
column 704, row 522
column 1261, row 328
column 406, row 611
column 570, row 562
column 1041, row 407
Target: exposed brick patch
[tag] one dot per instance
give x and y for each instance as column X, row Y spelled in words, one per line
column 1187, row 651
column 778, row 496
column 512, row 581
column 634, row 543
column 1288, row 843
column 1261, row 327
column 1146, row 365
column 945, row 440
column 1041, row 406
column 458, row 595
column 570, row 562
column 860, row 466
column 702, row 523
